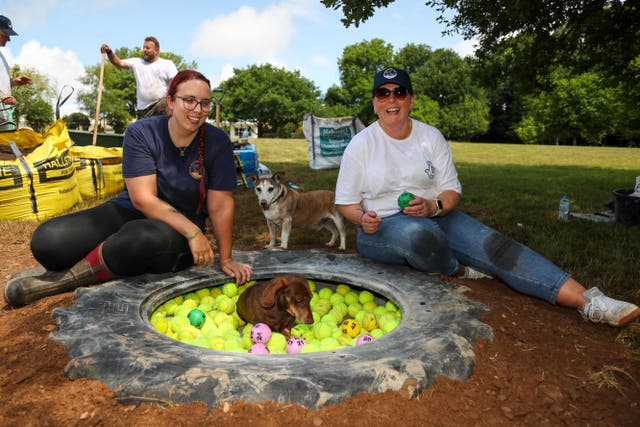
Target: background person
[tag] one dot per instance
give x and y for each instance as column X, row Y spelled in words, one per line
column 178, row 171
column 152, row 73
column 397, row 154
column 6, row 81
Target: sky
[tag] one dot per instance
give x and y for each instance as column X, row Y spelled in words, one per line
column 59, row 38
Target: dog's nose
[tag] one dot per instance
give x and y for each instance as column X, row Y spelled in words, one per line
column 264, row 204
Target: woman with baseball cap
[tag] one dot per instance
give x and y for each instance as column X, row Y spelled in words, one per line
column 397, row 154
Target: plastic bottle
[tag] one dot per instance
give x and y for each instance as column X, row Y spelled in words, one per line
column 563, row 209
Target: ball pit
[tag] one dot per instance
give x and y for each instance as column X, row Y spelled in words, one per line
column 212, row 320
column 111, row 335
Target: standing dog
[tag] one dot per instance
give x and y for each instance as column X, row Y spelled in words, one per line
column 277, row 303
column 285, row 207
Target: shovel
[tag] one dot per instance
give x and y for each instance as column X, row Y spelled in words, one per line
column 95, row 123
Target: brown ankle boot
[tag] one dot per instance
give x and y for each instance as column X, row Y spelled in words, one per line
column 25, row 290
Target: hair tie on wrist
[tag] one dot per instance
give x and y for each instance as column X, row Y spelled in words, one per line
column 192, row 235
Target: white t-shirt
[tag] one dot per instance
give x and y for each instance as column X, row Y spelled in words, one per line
column 152, row 79
column 5, row 85
column 376, row 168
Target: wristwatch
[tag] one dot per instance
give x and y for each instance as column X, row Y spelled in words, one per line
column 439, row 206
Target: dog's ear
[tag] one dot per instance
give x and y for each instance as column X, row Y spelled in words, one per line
column 253, row 178
column 271, row 290
column 278, row 176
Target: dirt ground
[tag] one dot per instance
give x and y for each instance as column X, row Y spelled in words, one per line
column 545, row 367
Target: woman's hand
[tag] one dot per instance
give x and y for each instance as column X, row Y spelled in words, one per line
column 241, row 272
column 420, row 208
column 201, row 249
column 370, row 222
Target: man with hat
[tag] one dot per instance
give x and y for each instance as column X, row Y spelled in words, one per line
column 6, row 81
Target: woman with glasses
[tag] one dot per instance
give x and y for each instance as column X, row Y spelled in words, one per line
column 398, row 154
column 178, row 171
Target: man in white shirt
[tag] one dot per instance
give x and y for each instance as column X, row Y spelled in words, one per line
column 7, row 101
column 153, row 75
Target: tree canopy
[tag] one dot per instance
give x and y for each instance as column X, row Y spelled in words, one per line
column 275, row 98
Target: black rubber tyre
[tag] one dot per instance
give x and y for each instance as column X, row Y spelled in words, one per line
column 108, row 336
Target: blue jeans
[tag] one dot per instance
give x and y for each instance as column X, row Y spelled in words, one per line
column 440, row 245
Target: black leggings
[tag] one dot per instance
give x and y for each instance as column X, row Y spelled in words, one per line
column 133, row 244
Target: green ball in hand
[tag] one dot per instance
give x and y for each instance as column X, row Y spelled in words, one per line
column 404, row 199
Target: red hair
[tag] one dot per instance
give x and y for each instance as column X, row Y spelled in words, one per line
column 178, row 79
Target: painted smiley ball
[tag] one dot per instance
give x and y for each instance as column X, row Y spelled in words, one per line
column 260, row 333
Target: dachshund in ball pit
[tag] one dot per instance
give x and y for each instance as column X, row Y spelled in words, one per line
column 277, row 303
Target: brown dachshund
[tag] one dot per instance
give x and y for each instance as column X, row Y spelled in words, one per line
column 277, row 303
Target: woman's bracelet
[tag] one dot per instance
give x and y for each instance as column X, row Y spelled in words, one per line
column 192, row 235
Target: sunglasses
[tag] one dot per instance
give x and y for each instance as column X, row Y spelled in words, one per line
column 382, row 93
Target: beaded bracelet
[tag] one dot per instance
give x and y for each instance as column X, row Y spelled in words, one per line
column 192, row 235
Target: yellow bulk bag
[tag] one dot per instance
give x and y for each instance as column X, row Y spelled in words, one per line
column 98, row 170
column 37, row 177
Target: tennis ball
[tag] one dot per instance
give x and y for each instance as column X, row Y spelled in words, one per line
column 310, row 347
column 160, row 323
column 170, row 306
column 178, row 300
column 196, row 318
column 298, row 330
column 322, row 306
column 259, row 348
column 341, row 307
column 230, row 289
column 350, row 327
column 325, row 293
column 353, row 309
column 329, row 318
column 369, row 306
column 246, row 341
column 216, row 291
column 225, row 304
column 178, row 322
column 182, row 311
column 337, row 314
column 294, row 345
column 216, row 342
column 391, row 306
column 226, row 326
column 376, row 333
column 329, row 343
column 233, row 345
column 360, row 316
column 336, row 298
column 200, row 341
column 261, row 333
column 187, row 332
column 379, row 311
column 277, row 344
column 312, row 285
column 364, row 297
column 365, row 339
column 201, row 293
column 342, row 289
column 369, row 322
column 344, row 340
column 322, row 330
column 404, row 199
column 209, row 300
column 351, row 298
column 389, row 326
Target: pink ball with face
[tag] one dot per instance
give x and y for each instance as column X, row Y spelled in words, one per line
column 364, row 339
column 294, row 345
column 260, row 333
column 259, row 348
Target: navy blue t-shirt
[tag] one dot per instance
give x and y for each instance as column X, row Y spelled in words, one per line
column 148, row 150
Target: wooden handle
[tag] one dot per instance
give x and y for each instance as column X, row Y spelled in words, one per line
column 97, row 118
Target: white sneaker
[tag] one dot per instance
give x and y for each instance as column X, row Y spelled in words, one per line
column 602, row 309
column 473, row 274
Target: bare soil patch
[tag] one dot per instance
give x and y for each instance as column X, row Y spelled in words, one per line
column 545, row 366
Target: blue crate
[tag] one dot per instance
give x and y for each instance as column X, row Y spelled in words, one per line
column 250, row 162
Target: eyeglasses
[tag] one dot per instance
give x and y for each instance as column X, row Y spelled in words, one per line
column 190, row 103
column 382, row 93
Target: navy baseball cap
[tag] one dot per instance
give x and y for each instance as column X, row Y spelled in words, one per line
column 5, row 25
column 392, row 75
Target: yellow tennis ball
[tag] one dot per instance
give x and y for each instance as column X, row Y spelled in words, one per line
column 342, row 289
column 230, row 289
column 325, row 293
column 351, row 298
column 365, row 296
column 369, row 322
